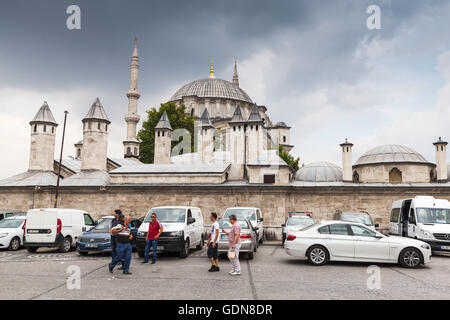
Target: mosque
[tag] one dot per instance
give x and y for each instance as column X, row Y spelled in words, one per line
column 235, row 163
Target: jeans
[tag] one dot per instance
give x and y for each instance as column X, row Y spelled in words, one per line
column 123, row 253
column 114, row 249
column 154, row 245
column 235, row 264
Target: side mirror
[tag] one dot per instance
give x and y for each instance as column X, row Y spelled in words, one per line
column 378, row 236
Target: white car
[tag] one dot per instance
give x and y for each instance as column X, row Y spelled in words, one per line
column 254, row 215
column 11, row 233
column 347, row 241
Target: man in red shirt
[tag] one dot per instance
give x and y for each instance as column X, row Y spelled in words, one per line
column 154, row 231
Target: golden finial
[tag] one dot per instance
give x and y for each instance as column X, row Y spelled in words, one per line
column 211, row 72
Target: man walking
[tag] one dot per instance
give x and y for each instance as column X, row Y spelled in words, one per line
column 234, row 238
column 124, row 249
column 213, row 238
column 118, row 216
column 154, row 231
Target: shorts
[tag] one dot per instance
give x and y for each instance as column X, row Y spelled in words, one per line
column 213, row 252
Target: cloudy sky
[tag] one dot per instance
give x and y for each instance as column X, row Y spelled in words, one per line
column 314, row 64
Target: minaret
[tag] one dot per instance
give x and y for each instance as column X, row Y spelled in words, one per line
column 237, row 145
column 95, row 138
column 43, row 134
column 441, row 160
column 254, row 135
column 131, row 144
column 347, row 175
column 235, row 74
column 205, row 137
column 163, row 140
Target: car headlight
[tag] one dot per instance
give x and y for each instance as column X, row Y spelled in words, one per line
column 2, row 235
column 427, row 235
column 425, row 246
column 176, row 234
column 141, row 234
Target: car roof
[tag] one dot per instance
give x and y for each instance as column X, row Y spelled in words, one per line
column 16, row 218
column 57, row 209
column 242, row 208
column 175, row 207
column 327, row 222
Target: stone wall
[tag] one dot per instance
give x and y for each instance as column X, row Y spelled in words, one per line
column 275, row 202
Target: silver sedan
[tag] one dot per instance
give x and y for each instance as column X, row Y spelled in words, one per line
column 248, row 238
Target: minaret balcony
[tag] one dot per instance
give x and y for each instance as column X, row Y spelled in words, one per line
column 132, row 118
column 133, row 94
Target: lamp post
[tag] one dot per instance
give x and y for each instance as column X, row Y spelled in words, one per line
column 60, row 159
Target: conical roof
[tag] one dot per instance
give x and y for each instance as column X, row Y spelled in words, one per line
column 97, row 112
column 237, row 116
column 44, row 115
column 254, row 115
column 204, row 120
column 164, row 122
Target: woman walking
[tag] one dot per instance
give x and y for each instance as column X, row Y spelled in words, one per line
column 234, row 238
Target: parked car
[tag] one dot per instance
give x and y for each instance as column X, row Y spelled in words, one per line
column 11, row 233
column 254, row 215
column 98, row 238
column 360, row 217
column 183, row 230
column 424, row 218
column 9, row 213
column 248, row 239
column 295, row 222
column 55, row 228
column 346, row 241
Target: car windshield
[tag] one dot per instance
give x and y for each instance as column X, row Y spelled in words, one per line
column 103, row 224
column 299, row 221
column 167, row 215
column 227, row 225
column 11, row 223
column 360, row 217
column 433, row 215
column 241, row 214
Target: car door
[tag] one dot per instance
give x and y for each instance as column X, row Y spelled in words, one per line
column 412, row 225
column 190, row 227
column 260, row 222
column 88, row 222
column 394, row 221
column 340, row 241
column 367, row 246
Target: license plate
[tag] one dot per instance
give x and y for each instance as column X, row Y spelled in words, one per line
column 160, row 248
column 32, row 231
column 445, row 247
column 91, row 245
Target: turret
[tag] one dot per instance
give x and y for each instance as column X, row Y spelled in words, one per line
column 95, row 138
column 237, row 145
column 131, row 144
column 347, row 175
column 255, row 135
column 441, row 160
column 163, row 140
column 43, row 134
column 205, row 144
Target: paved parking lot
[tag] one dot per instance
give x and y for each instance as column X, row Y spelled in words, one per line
column 271, row 275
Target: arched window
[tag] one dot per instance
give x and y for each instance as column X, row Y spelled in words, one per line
column 128, row 151
column 45, row 128
column 135, row 151
column 192, row 112
column 356, row 177
column 78, row 153
column 35, row 128
column 395, row 176
column 433, row 177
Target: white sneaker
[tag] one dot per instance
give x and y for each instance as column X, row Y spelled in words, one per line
column 235, row 273
column 231, row 272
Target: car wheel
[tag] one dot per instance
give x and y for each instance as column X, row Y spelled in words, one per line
column 410, row 258
column 200, row 245
column 317, row 255
column 140, row 253
column 32, row 249
column 250, row 255
column 83, row 253
column 185, row 250
column 14, row 245
column 66, row 245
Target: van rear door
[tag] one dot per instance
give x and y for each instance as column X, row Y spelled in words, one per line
column 41, row 226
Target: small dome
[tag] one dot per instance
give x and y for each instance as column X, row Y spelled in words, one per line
column 390, row 154
column 281, row 124
column 319, row 172
column 212, row 88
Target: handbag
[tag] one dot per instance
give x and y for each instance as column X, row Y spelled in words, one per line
column 231, row 254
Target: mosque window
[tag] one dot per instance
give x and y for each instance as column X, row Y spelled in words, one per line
column 53, row 129
column 99, row 126
column 35, row 128
column 269, row 178
column 45, row 128
column 128, row 151
column 395, row 176
column 89, row 125
column 355, row 177
column 163, row 133
column 106, row 127
column 78, row 153
column 284, row 138
column 135, row 151
column 158, row 134
column 256, row 127
column 192, row 112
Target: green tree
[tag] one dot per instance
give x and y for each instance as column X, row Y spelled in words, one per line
column 290, row 160
column 178, row 118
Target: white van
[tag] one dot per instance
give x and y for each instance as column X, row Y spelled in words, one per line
column 183, row 230
column 254, row 215
column 424, row 218
column 55, row 228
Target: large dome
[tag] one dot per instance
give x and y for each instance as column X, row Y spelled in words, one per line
column 212, row 88
column 319, row 172
column 391, row 154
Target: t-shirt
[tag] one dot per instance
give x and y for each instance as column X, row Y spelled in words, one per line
column 153, row 230
column 212, row 233
column 236, row 229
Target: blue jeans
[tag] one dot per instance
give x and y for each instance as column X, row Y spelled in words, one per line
column 123, row 253
column 154, row 245
column 114, row 248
